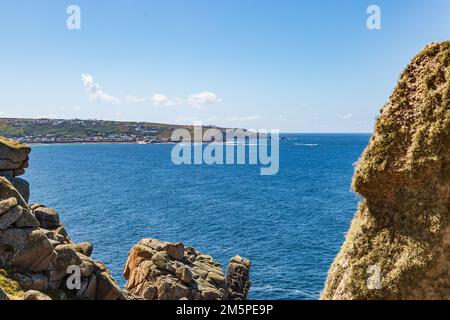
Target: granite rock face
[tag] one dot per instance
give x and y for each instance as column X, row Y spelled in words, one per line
column 13, row 157
column 35, row 246
column 398, row 246
column 158, row 270
column 238, row 278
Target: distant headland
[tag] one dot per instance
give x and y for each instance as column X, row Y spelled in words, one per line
column 57, row 131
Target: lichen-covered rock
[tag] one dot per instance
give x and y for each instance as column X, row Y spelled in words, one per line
column 158, row 270
column 35, row 295
column 398, row 246
column 26, row 250
column 8, row 191
column 13, row 156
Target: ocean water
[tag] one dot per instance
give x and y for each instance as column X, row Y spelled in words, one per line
column 290, row 225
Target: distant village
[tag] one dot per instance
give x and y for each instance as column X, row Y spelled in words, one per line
column 89, row 131
column 54, row 131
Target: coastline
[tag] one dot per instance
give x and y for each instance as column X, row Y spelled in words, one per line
column 90, row 143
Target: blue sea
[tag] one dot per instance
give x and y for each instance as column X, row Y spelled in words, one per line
column 290, row 225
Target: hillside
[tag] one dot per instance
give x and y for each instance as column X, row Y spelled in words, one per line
column 88, row 131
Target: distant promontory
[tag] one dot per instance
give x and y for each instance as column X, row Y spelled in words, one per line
column 49, row 131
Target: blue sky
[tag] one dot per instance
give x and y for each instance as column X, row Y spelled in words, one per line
column 297, row 66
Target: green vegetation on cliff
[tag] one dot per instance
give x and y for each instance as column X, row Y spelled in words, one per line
column 10, row 286
column 402, row 225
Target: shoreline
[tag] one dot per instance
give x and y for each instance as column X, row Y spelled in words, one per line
column 90, row 143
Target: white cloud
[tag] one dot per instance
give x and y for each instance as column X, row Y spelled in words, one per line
column 203, row 98
column 242, row 119
column 346, row 116
column 197, row 100
column 133, row 99
column 95, row 92
column 159, row 99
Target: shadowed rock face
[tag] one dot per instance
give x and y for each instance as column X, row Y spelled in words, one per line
column 401, row 229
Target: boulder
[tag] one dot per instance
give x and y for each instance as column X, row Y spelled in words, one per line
column 13, row 154
column 174, row 250
column 107, row 288
column 66, row 256
column 84, row 248
column 238, row 278
column 87, row 265
column 48, row 218
column 22, row 186
column 26, row 250
column 184, row 274
column 398, row 245
column 35, row 295
column 10, row 217
column 7, row 204
column 26, row 219
column 19, row 217
column 7, row 191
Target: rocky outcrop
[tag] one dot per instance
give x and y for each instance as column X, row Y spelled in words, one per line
column 13, row 157
column 35, row 295
column 398, row 246
column 13, row 162
column 158, row 270
column 36, row 247
column 238, row 278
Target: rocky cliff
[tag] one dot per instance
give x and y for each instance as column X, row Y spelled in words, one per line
column 39, row 261
column 158, row 270
column 398, row 245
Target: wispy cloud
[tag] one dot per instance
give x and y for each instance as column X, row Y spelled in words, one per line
column 159, row 99
column 346, row 116
column 197, row 100
column 242, row 119
column 95, row 91
column 218, row 120
column 203, row 98
column 133, row 99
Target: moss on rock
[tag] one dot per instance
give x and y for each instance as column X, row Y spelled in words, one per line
column 402, row 226
column 9, row 285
